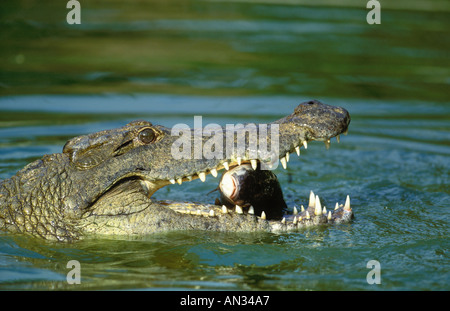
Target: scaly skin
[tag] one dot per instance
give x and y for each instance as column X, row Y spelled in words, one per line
column 101, row 183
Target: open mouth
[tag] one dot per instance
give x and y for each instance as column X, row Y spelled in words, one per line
column 246, row 189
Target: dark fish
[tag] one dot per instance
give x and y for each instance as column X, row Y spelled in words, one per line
column 244, row 186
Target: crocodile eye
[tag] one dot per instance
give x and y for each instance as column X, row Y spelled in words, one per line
column 147, row 136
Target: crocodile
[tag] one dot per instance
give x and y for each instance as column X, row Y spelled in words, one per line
column 102, row 184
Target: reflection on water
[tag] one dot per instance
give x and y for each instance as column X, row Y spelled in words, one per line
column 239, row 48
column 235, row 62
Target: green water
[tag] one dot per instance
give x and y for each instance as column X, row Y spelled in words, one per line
column 234, row 62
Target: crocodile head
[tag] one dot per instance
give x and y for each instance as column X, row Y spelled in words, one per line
column 103, row 182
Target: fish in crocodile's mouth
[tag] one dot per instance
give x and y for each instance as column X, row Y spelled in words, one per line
column 258, row 192
column 252, row 189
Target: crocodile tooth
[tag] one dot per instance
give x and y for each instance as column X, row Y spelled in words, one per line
column 287, row 157
column 295, row 220
column 202, row 176
column 329, row 215
column 302, row 208
column 337, row 206
column 212, row 213
column 324, row 211
column 251, row 210
column 283, row 221
column 239, row 210
column 254, row 164
column 263, row 215
column 238, row 160
column 327, row 144
column 189, row 178
column 297, row 150
column 225, row 164
column 295, row 212
column 318, row 208
column 300, row 218
column 307, row 215
column 199, row 212
column 312, row 199
column 283, row 162
column 180, row 181
column 213, row 172
column 338, row 138
column 346, row 132
column 224, row 209
column 305, row 144
column 347, row 204
column 172, row 181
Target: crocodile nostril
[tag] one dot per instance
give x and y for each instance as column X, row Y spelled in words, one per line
column 313, row 102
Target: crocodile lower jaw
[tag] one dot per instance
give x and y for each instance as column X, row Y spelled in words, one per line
column 299, row 217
